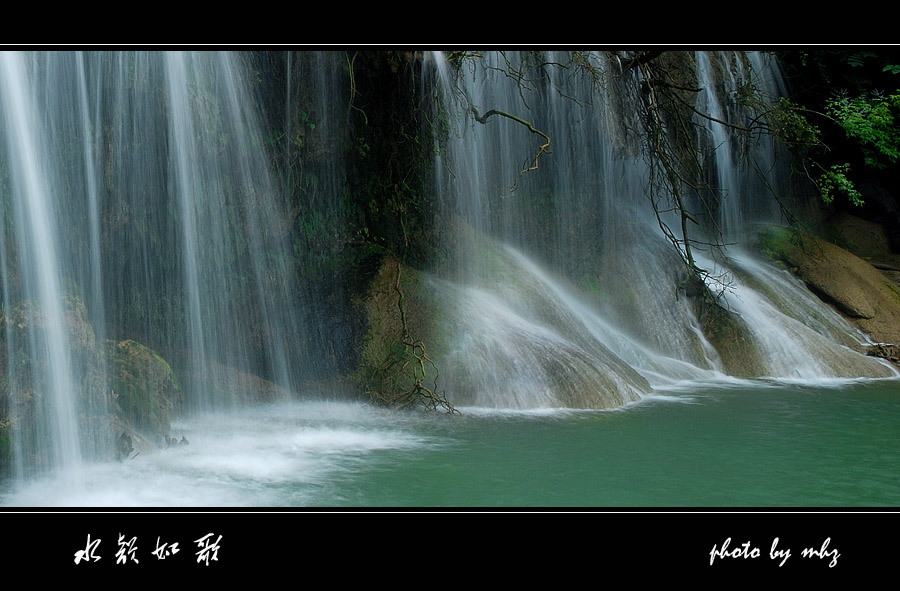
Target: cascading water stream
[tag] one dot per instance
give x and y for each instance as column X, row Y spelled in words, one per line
column 230, row 215
column 189, row 183
column 141, row 211
column 797, row 336
column 747, row 174
column 37, row 229
column 730, row 218
column 584, row 211
column 89, row 129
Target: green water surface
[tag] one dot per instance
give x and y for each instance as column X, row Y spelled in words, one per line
column 762, row 446
column 748, row 445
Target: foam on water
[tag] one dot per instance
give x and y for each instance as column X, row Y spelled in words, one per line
column 279, row 455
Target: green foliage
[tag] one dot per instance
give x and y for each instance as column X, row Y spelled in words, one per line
column 307, row 120
column 848, row 96
column 859, row 58
column 792, row 127
column 870, row 121
column 835, row 181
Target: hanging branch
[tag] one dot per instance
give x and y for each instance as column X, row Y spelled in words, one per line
column 353, row 90
column 522, row 83
column 677, row 178
column 541, row 151
column 673, row 176
column 419, row 392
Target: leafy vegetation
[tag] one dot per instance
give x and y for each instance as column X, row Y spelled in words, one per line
column 834, row 181
column 848, row 132
column 870, row 121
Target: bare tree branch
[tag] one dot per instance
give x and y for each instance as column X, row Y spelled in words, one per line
column 542, row 150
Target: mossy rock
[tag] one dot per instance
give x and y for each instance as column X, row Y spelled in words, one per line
column 145, row 388
column 125, row 388
column 388, row 368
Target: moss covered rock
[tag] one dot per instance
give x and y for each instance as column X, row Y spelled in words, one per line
column 397, row 367
column 144, row 387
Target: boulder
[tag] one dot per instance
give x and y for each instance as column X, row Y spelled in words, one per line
column 144, row 388
column 852, row 285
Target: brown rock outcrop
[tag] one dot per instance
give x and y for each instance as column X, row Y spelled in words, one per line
column 853, row 286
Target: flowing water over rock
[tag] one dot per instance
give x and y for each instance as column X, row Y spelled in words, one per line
column 147, row 210
column 617, row 296
column 140, row 183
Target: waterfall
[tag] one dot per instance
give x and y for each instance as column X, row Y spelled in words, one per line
column 198, row 210
column 746, row 175
column 567, row 260
column 33, row 198
column 225, row 196
column 583, row 213
column 140, row 205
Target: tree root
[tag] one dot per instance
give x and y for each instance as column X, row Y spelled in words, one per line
column 403, row 373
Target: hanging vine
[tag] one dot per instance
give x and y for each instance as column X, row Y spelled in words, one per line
column 402, row 379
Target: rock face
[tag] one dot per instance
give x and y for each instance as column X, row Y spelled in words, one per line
column 854, row 287
column 863, row 238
